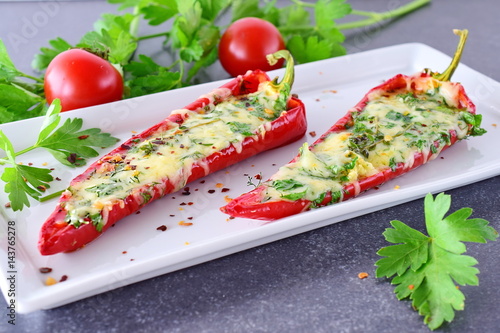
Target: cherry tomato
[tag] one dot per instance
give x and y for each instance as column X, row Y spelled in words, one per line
column 245, row 44
column 79, row 79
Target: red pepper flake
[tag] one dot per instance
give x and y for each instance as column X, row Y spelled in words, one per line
column 132, row 259
column 219, row 185
column 202, row 182
column 363, row 275
column 138, row 212
column 211, row 191
column 45, row 270
column 71, row 158
column 190, row 203
column 124, row 252
column 225, row 189
column 182, row 204
column 162, row 228
column 83, row 137
column 186, row 191
column 317, row 100
column 42, row 188
column 172, row 215
column 63, row 278
column 58, row 179
column 7, row 205
column 190, row 218
column 312, row 133
column 30, row 164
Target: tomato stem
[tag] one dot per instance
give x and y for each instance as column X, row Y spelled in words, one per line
column 448, row 73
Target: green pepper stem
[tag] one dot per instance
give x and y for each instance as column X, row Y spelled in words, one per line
column 448, row 73
column 289, row 75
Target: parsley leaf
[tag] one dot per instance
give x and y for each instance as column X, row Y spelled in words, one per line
column 43, row 59
column 427, row 268
column 310, row 49
column 159, row 13
column 245, row 8
column 67, row 143
column 18, row 103
column 21, row 180
column 19, row 98
column 147, row 77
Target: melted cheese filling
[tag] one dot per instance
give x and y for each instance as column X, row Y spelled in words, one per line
column 388, row 131
column 171, row 153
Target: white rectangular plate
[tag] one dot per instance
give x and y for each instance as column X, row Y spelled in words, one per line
column 135, row 250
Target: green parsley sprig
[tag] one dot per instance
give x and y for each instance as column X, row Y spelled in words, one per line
column 67, row 143
column 427, row 268
column 188, row 32
column 21, row 95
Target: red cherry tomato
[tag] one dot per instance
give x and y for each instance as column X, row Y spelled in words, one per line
column 79, row 79
column 245, row 44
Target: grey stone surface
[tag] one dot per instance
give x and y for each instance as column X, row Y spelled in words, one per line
column 305, row 283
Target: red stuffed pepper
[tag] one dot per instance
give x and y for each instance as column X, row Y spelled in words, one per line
column 246, row 116
column 399, row 125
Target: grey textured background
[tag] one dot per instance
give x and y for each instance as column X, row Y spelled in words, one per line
column 305, row 283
